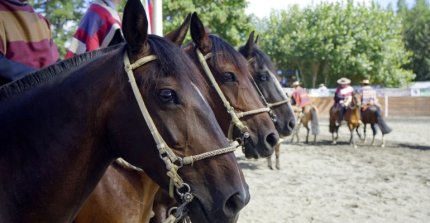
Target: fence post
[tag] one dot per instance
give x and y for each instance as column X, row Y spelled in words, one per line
column 386, row 104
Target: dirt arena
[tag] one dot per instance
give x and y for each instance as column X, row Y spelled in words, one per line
column 337, row 183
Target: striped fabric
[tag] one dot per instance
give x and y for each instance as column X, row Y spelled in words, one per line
column 368, row 95
column 96, row 29
column 25, row 36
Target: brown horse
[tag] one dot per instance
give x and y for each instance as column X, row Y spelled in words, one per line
column 372, row 115
column 263, row 75
column 352, row 118
column 309, row 114
column 138, row 196
column 58, row 138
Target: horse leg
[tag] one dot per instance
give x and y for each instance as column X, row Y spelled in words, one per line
column 297, row 132
column 277, row 153
column 374, row 133
column 269, row 162
column 358, row 132
column 383, row 141
column 333, row 139
column 364, row 132
column 351, row 139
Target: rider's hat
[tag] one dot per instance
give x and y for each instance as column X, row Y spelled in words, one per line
column 344, row 80
column 365, row 82
column 296, row 83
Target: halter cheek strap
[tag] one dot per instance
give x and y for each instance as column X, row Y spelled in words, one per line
column 171, row 160
column 235, row 116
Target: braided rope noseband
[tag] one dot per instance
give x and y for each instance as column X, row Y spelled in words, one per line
column 166, row 153
column 235, row 116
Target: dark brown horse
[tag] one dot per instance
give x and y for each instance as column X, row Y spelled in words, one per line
column 138, row 197
column 264, row 77
column 352, row 118
column 58, row 138
column 308, row 114
column 372, row 115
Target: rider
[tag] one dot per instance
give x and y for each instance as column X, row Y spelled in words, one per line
column 26, row 42
column 368, row 96
column 299, row 98
column 343, row 97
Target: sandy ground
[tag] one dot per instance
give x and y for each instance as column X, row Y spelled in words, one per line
column 337, row 183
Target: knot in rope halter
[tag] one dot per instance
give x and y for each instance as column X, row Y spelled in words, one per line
column 171, row 160
column 266, row 103
column 235, row 116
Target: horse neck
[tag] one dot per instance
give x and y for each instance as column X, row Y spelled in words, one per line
column 211, row 96
column 55, row 149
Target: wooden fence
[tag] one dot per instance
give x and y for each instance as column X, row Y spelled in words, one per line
column 394, row 106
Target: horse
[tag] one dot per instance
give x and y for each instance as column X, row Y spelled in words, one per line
column 372, row 115
column 351, row 116
column 60, row 131
column 141, row 198
column 265, row 81
column 308, row 114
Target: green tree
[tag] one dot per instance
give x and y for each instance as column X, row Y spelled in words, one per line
column 331, row 40
column 63, row 16
column 226, row 18
column 416, row 23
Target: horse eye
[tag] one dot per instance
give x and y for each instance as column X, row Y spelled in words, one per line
column 229, row 77
column 262, row 77
column 167, row 95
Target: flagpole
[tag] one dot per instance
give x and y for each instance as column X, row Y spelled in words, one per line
column 157, row 23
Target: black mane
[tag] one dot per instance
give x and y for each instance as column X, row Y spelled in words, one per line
column 231, row 55
column 260, row 57
column 34, row 79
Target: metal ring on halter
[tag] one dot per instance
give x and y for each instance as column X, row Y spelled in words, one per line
column 178, row 214
column 187, row 191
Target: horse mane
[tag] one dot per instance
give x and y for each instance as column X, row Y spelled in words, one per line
column 41, row 76
column 232, row 55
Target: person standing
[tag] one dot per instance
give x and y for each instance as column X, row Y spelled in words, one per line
column 26, row 42
column 100, row 27
column 343, row 97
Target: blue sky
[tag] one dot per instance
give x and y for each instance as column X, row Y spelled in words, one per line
column 262, row 8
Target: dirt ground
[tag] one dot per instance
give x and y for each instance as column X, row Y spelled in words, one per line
column 337, row 183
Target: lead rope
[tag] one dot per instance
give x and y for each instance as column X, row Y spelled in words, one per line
column 235, row 116
column 165, row 152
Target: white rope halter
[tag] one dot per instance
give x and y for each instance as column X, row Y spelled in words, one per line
column 166, row 153
column 235, row 116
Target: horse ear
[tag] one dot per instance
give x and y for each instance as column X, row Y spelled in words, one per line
column 177, row 36
column 249, row 46
column 256, row 39
column 199, row 34
column 135, row 25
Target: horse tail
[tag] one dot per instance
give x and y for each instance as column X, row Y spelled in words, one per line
column 315, row 127
column 385, row 129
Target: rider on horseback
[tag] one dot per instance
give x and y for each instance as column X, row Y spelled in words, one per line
column 368, row 94
column 343, row 97
column 299, row 98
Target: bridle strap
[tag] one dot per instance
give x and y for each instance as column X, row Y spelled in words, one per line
column 235, row 116
column 166, row 153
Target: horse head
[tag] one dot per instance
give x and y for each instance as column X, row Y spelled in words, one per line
column 189, row 160
column 264, row 76
column 237, row 106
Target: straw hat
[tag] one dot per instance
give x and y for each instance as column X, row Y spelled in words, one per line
column 296, row 83
column 365, row 82
column 322, row 85
column 344, row 80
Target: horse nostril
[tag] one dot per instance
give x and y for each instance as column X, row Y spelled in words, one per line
column 272, row 139
column 292, row 124
column 234, row 204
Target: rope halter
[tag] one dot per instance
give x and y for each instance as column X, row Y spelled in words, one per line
column 235, row 116
column 268, row 105
column 173, row 163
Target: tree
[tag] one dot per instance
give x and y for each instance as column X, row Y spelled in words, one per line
column 63, row 16
column 331, row 40
column 416, row 23
column 226, row 18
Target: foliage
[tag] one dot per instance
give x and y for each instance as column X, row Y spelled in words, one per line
column 416, row 23
column 224, row 17
column 331, row 40
column 63, row 16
